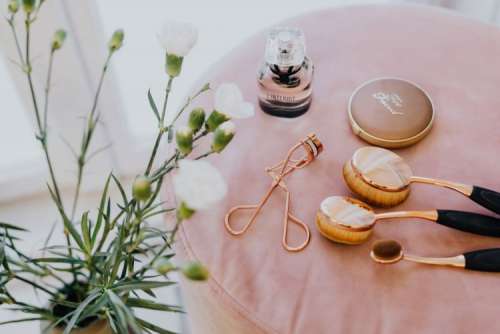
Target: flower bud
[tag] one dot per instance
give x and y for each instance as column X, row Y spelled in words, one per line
column 13, row 6
column 184, row 139
column 29, row 6
column 141, row 189
column 174, row 65
column 58, row 40
column 215, row 119
column 222, row 136
column 164, row 266
column 116, row 40
column 196, row 119
column 195, row 271
column 184, row 212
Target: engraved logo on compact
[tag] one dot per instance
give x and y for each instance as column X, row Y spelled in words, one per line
column 390, row 101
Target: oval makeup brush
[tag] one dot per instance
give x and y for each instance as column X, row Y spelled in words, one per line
column 382, row 178
column 349, row 221
column 391, row 251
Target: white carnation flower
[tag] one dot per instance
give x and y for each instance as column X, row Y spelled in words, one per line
column 228, row 128
column 229, row 101
column 178, row 38
column 198, row 184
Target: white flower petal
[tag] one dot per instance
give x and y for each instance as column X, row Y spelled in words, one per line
column 229, row 101
column 227, row 98
column 244, row 110
column 198, row 184
column 228, row 127
column 178, row 38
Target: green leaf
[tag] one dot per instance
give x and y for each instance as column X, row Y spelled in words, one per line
column 64, row 303
column 153, row 105
column 120, row 188
column 76, row 314
column 11, row 227
column 96, row 308
column 20, row 320
column 86, row 232
column 152, row 305
column 148, row 292
column 117, row 257
column 100, row 214
column 62, row 247
column 49, row 236
column 2, row 250
column 112, row 322
column 42, row 312
column 126, row 318
column 68, row 225
column 154, row 328
column 152, row 214
column 57, row 260
column 139, row 285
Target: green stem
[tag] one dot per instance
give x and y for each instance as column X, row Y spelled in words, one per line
column 165, row 164
column 91, row 119
column 99, row 86
column 189, row 100
column 47, row 90
column 160, row 252
column 16, row 40
column 204, row 155
column 174, row 231
column 169, row 128
column 28, row 260
column 201, row 135
column 35, row 285
column 165, row 101
column 161, row 126
column 155, row 149
column 77, row 191
column 42, row 136
column 30, row 80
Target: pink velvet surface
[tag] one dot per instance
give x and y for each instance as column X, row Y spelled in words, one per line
column 332, row 288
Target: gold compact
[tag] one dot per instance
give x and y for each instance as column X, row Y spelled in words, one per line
column 390, row 112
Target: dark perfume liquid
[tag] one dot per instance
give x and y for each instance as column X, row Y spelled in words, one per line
column 285, row 91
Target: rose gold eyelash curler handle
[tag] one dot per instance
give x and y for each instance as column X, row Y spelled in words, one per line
column 287, row 216
column 313, row 147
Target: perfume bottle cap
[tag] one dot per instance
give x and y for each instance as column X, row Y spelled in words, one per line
column 285, row 47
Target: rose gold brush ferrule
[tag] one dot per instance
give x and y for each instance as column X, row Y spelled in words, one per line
column 428, row 215
column 460, row 187
column 312, row 147
column 455, row 261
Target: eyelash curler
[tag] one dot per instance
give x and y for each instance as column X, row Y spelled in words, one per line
column 311, row 147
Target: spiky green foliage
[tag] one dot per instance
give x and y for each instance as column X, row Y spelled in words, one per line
column 105, row 270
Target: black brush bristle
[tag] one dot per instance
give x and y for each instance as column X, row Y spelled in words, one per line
column 387, row 249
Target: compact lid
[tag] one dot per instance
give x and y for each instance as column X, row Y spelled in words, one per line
column 390, row 112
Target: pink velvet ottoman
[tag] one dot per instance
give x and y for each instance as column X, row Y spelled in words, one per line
column 258, row 287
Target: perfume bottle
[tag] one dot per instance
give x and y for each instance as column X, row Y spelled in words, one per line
column 286, row 75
